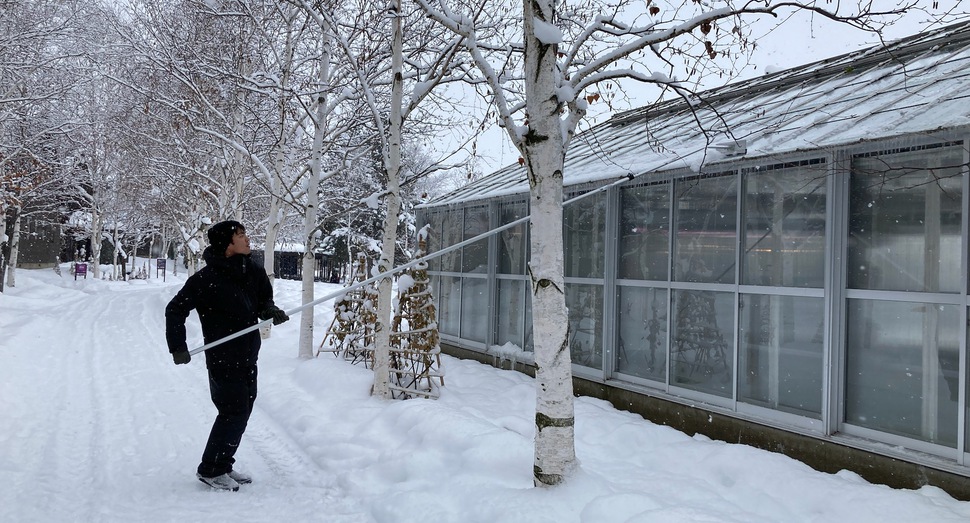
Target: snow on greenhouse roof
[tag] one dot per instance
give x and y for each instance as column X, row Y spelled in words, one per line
column 915, row 85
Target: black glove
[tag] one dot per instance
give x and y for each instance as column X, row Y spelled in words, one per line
column 274, row 312
column 181, row 357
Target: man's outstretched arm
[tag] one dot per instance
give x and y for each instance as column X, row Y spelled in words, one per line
column 175, row 314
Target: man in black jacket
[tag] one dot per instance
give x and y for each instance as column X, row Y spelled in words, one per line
column 230, row 294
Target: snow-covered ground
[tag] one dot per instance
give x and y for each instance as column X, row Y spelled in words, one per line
column 98, row 425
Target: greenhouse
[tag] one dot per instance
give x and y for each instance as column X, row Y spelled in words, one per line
column 788, row 253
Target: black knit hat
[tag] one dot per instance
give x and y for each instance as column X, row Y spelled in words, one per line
column 220, row 234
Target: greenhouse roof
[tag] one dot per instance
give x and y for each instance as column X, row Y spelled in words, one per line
column 915, row 85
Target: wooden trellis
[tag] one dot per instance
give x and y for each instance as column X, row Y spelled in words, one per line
column 415, row 365
column 351, row 333
column 415, row 353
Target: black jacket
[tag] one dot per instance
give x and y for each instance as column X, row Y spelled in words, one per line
column 228, row 294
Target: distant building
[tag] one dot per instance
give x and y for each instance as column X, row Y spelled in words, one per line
column 788, row 266
column 288, row 263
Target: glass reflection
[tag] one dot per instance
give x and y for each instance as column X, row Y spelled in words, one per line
column 449, row 305
column 510, row 313
column 642, row 332
column 434, row 222
column 784, row 221
column 512, row 245
column 584, row 228
column 902, row 369
column 706, row 239
column 474, row 308
column 905, row 221
column 585, row 303
column 474, row 257
column 701, row 346
column 644, row 239
column 451, row 229
column 780, row 353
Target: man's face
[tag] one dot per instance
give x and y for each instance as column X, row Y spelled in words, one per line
column 240, row 243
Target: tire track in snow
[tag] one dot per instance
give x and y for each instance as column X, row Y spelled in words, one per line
column 95, row 450
column 117, row 362
column 145, row 447
column 97, row 432
column 64, row 450
column 115, row 430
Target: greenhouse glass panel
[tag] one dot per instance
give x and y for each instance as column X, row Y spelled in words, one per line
column 474, row 257
column 512, row 245
column 510, row 313
column 784, row 223
column 451, row 230
column 585, row 304
column 702, row 342
column 780, row 353
column 474, row 308
column 902, row 369
column 642, row 332
column 529, row 345
column 705, row 243
column 449, row 305
column 434, row 223
column 906, row 212
column 584, row 234
column 644, row 237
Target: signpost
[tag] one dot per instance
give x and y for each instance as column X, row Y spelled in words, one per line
column 160, row 267
column 80, row 269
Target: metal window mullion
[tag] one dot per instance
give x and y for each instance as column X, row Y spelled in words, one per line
column 772, row 290
column 837, row 209
column 906, row 296
column 461, row 269
column 964, row 319
column 609, row 280
column 671, row 232
column 491, row 308
column 739, row 235
column 702, row 286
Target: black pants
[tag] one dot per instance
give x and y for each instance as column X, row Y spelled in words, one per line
column 233, row 393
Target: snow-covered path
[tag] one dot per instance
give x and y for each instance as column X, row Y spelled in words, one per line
column 99, row 418
column 98, row 425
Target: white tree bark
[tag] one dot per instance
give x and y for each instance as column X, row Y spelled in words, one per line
column 313, row 195
column 306, row 320
column 392, row 202
column 280, row 165
column 115, row 252
column 555, row 454
column 14, row 248
column 272, row 234
column 97, row 228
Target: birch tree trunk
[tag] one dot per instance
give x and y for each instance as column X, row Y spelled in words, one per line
column 392, row 201
column 114, row 253
column 14, row 248
column 279, row 167
column 97, row 228
column 313, row 195
column 238, row 185
column 272, row 233
column 555, row 454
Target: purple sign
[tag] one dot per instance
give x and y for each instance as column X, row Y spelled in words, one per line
column 81, row 269
column 160, row 267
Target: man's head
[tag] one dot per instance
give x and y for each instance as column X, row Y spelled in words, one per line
column 229, row 237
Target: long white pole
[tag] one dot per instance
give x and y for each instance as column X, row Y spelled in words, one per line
column 400, row 268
